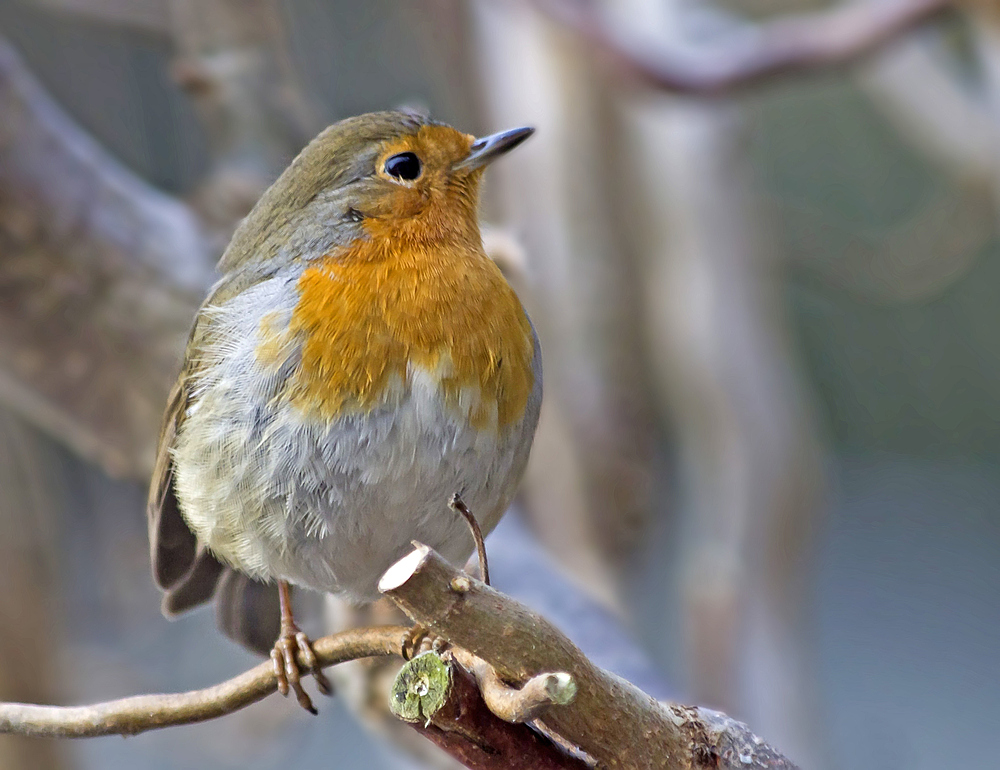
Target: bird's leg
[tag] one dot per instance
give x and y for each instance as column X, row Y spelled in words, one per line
column 291, row 642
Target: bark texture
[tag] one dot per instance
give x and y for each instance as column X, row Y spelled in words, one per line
column 609, row 719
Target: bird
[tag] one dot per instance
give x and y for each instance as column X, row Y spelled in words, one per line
column 360, row 361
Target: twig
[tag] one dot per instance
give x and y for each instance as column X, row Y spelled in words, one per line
column 798, row 43
column 458, row 504
column 517, row 704
column 129, row 716
column 613, row 721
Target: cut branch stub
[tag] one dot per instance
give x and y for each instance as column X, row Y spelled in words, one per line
column 442, row 701
column 420, row 688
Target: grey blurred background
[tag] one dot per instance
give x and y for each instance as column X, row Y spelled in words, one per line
column 769, row 452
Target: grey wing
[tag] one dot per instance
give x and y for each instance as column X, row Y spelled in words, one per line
column 172, row 544
column 184, row 569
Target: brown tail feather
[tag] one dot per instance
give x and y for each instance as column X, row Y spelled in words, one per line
column 196, row 587
column 248, row 611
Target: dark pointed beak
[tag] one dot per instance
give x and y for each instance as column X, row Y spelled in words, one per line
column 486, row 149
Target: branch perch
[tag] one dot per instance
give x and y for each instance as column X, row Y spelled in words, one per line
column 130, row 716
column 797, row 43
column 610, row 719
column 508, row 666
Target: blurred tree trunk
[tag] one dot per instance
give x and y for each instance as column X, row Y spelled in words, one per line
column 675, row 193
column 30, row 634
column 750, row 463
column 233, row 61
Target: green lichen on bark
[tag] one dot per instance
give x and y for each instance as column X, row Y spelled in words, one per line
column 420, row 688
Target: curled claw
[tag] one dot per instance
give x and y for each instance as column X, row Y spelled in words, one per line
column 284, row 657
column 306, row 650
column 279, row 671
column 420, row 640
column 286, row 669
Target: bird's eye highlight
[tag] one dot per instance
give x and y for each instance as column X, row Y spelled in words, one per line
column 404, row 166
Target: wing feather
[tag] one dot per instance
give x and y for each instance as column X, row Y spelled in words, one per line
column 172, row 544
column 183, row 568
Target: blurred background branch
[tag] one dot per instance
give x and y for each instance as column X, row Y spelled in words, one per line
column 143, row 15
column 749, row 54
column 101, row 275
column 29, row 603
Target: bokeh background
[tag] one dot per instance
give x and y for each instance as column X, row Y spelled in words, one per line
column 759, row 241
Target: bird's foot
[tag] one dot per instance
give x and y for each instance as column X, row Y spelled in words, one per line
column 420, row 640
column 284, row 657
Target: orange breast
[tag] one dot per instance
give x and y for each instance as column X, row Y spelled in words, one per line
column 367, row 318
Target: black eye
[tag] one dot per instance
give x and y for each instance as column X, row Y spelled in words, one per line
column 406, row 165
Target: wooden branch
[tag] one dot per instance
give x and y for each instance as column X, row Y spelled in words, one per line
column 610, row 719
column 441, row 699
column 517, row 704
column 129, row 716
column 792, row 44
column 473, row 702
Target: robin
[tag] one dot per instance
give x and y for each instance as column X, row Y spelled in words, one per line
column 360, row 362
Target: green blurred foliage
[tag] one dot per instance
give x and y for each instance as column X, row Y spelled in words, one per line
column 917, row 376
